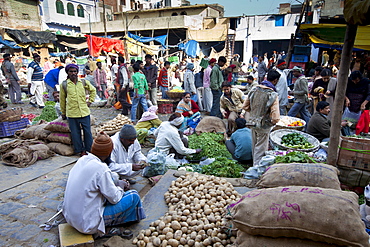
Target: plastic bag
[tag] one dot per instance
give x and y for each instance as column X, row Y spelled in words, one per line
column 207, row 161
column 255, row 172
column 171, row 162
column 352, row 117
column 157, row 160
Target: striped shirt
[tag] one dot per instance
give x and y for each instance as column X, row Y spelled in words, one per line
column 38, row 73
column 163, row 78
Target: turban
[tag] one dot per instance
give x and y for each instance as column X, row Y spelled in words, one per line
column 128, row 132
column 296, row 68
column 177, row 121
column 213, row 60
column 281, row 62
column 102, row 145
column 70, row 66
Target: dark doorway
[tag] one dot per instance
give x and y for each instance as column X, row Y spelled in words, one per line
column 260, row 47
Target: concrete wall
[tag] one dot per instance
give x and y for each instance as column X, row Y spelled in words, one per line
column 171, row 22
column 332, row 8
column 262, row 27
column 21, row 14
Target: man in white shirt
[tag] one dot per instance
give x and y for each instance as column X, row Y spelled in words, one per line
column 127, row 158
column 93, row 199
column 114, row 70
column 207, row 99
column 282, row 86
column 168, row 139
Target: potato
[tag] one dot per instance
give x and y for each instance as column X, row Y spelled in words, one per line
column 177, row 234
column 141, row 243
column 175, row 225
column 156, row 242
column 173, row 242
column 169, row 235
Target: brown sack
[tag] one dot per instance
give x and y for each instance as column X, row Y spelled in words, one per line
column 41, row 151
column 58, row 125
column 354, row 177
column 318, row 214
column 309, row 174
column 211, row 124
column 60, row 148
column 60, row 137
column 19, row 157
column 35, row 132
column 9, row 146
column 245, row 240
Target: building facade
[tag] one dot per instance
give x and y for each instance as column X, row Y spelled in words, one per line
column 64, row 16
column 20, row 14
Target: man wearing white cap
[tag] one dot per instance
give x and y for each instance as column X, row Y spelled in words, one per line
column 168, row 138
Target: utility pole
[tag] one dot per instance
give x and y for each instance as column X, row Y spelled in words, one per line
column 104, row 20
column 293, row 37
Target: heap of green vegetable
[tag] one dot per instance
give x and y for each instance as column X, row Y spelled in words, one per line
column 296, row 140
column 295, row 157
column 212, row 146
column 48, row 114
column 223, row 167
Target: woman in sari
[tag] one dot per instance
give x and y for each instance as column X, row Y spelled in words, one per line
column 148, row 120
column 188, row 108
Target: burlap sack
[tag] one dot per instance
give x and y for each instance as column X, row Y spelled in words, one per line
column 58, row 125
column 309, row 174
column 245, row 240
column 60, row 148
column 35, row 132
column 353, row 177
column 211, row 124
column 318, row 214
column 9, row 146
column 60, row 137
column 41, row 151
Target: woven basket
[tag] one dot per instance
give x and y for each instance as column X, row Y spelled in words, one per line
column 276, row 136
column 11, row 115
column 279, row 126
column 174, row 95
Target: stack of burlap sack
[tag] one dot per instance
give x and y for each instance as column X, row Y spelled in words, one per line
column 56, row 134
column 298, row 205
column 23, row 153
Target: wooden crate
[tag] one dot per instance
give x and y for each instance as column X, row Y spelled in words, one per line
column 354, row 153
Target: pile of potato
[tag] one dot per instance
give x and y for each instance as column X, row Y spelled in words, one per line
column 116, row 123
column 195, row 217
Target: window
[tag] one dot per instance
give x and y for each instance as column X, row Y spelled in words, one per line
column 80, row 11
column 183, row 13
column 70, row 9
column 174, row 14
column 279, row 20
column 60, row 7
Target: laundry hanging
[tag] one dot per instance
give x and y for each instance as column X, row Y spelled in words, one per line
column 104, row 44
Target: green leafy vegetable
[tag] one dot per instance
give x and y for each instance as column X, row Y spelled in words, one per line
column 294, row 157
column 48, row 114
column 223, row 167
column 212, row 146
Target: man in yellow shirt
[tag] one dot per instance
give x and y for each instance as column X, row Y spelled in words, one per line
column 73, row 106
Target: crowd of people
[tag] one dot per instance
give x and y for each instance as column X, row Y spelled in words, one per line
column 101, row 178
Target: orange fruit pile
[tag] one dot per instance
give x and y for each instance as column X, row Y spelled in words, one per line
column 296, row 123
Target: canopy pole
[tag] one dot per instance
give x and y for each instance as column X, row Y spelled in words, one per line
column 340, row 93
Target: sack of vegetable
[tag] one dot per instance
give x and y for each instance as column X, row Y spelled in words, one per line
column 316, row 175
column 301, row 212
column 60, row 137
column 60, row 148
column 157, row 163
column 245, row 240
column 58, row 125
column 35, row 132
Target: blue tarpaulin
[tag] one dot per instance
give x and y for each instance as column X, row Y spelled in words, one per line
column 159, row 39
column 10, row 44
column 191, row 48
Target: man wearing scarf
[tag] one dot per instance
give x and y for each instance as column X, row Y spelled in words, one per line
column 168, row 138
column 93, row 199
column 282, row 87
column 74, row 107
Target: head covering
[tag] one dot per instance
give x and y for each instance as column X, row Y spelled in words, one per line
column 213, row 60
column 280, row 62
column 177, row 121
column 240, row 123
column 233, row 66
column 35, row 55
column 150, row 114
column 6, row 55
column 128, row 132
column 71, row 65
column 102, row 145
column 190, row 66
column 296, row 68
